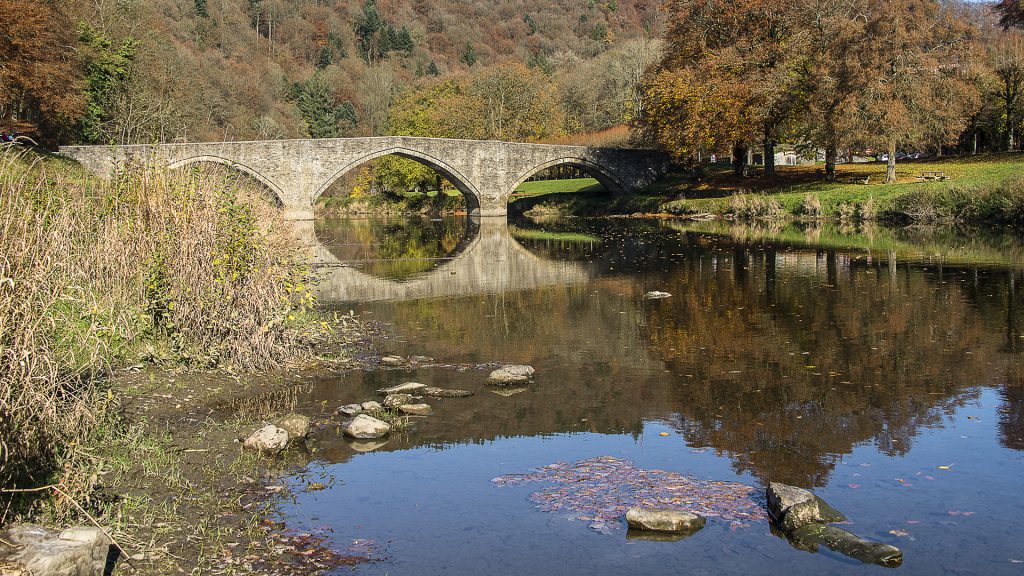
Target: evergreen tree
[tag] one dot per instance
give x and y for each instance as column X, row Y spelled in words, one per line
column 201, row 10
column 369, row 28
column 468, row 55
column 323, row 115
column 432, row 69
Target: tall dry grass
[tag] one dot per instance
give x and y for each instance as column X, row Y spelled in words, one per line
column 190, row 267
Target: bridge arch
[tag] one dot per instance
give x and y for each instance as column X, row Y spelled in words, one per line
column 278, row 194
column 461, row 182
column 610, row 182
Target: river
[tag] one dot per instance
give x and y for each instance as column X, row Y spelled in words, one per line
column 883, row 369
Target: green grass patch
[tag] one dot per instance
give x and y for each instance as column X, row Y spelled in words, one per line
column 545, row 187
column 528, row 234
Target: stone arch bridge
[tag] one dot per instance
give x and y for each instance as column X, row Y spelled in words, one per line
column 299, row 171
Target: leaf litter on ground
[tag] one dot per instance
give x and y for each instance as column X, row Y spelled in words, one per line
column 601, row 490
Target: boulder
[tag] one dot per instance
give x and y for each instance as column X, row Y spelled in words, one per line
column 392, row 361
column 364, row 427
column 810, row 536
column 270, row 439
column 435, row 392
column 372, row 407
column 656, row 295
column 353, row 409
column 793, row 507
column 407, row 388
column 511, row 375
column 28, row 549
column 664, row 520
column 395, row 400
column 416, row 409
column 296, row 425
column 421, row 359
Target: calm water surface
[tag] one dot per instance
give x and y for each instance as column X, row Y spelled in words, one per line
column 855, row 363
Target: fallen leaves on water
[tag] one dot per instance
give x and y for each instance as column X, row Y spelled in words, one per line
column 900, row 533
column 601, row 490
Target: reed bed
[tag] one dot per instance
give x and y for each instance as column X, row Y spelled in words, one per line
column 191, row 267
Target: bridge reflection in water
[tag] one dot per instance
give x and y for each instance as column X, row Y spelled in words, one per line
column 488, row 261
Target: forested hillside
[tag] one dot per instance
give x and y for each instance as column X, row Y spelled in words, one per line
column 130, row 71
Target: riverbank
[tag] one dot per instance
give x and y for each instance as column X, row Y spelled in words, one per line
column 984, row 189
column 132, row 313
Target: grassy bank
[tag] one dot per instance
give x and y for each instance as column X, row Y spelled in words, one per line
column 188, row 270
column 978, row 189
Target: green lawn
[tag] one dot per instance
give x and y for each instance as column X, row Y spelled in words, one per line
column 545, row 187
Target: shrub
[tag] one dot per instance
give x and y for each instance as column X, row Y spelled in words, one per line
column 747, row 207
column 810, row 207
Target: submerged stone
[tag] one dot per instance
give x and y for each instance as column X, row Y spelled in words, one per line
column 511, row 375
column 296, row 425
column 435, row 392
column 664, row 520
column 270, row 439
column 392, row 361
column 352, row 409
column 365, row 427
column 810, row 536
column 366, row 445
column 406, row 388
column 28, row 549
column 506, row 392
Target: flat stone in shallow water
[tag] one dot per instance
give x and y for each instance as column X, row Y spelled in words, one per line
column 810, row 536
column 406, row 388
column 664, row 520
column 365, row 427
column 511, row 375
column 396, row 400
column 392, row 361
column 416, row 409
column 435, row 392
column 270, row 439
column 371, row 407
column 37, row 550
column 352, row 409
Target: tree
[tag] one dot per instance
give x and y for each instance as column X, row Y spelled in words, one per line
column 107, row 72
column 468, row 55
column 370, row 31
column 1006, row 62
column 201, row 9
column 1011, row 13
column 918, row 93
column 40, row 78
column 728, row 74
column 323, row 115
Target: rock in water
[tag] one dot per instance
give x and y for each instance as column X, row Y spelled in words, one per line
column 296, row 425
column 421, row 359
column 396, row 400
column 372, row 407
column 793, row 507
column 417, row 409
column 37, row 550
column 270, row 439
column 664, row 520
column 407, row 388
column 392, row 361
column 655, row 295
column 511, row 375
column 364, row 427
column 353, row 409
column 443, row 393
column 808, row 537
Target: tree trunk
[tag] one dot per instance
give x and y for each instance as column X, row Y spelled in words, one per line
column 739, row 159
column 769, row 156
column 890, row 165
column 974, row 148
column 830, row 162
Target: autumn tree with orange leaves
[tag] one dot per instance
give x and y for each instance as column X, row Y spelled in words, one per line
column 40, row 78
column 728, row 78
